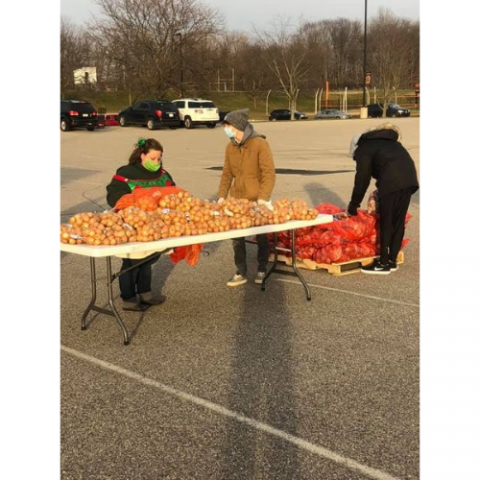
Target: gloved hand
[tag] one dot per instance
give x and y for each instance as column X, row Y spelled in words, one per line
column 267, row 204
column 220, row 200
column 352, row 209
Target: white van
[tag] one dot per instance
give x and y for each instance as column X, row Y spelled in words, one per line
column 197, row 111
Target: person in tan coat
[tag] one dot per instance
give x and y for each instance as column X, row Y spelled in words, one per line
column 248, row 172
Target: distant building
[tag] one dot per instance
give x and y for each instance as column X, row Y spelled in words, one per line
column 86, row 76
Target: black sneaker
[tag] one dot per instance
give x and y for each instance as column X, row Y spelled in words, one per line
column 377, row 268
column 393, row 265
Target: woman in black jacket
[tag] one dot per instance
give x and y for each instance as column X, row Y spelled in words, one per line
column 380, row 155
column 144, row 170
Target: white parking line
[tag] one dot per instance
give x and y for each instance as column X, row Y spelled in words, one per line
column 350, row 293
column 310, row 447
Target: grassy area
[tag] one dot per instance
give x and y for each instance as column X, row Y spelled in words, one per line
column 227, row 101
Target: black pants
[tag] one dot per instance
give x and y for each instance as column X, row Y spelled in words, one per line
column 240, row 250
column 137, row 280
column 393, row 210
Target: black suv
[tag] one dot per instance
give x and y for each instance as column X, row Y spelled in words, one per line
column 284, row 114
column 76, row 113
column 152, row 113
column 393, row 110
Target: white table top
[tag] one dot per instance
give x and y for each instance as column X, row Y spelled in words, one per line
column 138, row 249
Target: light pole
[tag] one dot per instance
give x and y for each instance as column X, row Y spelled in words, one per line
column 178, row 36
column 365, row 57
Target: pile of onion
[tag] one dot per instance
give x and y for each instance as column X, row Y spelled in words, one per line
column 175, row 215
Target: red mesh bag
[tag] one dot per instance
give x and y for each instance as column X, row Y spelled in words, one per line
column 179, row 253
column 145, row 198
column 193, row 253
column 126, row 201
column 189, row 253
column 340, row 241
column 328, row 208
column 357, row 227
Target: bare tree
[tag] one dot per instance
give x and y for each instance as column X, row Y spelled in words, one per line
column 74, row 52
column 390, row 53
column 285, row 55
column 154, row 47
column 152, row 40
column 345, row 43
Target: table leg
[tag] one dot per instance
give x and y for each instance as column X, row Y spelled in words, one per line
column 110, row 279
column 275, row 261
column 295, row 272
column 93, row 280
column 93, row 307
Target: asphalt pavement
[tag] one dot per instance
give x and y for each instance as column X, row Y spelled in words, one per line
column 222, row 383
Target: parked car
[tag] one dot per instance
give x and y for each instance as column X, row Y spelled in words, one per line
column 197, row 111
column 393, row 110
column 77, row 114
column 150, row 113
column 284, row 114
column 332, row 113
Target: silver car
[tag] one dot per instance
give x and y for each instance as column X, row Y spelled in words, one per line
column 331, row 113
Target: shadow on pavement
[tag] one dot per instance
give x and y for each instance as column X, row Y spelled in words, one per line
column 318, row 194
column 261, row 387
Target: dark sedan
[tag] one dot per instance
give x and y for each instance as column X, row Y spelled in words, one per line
column 375, row 110
column 285, row 114
column 150, row 113
column 332, row 113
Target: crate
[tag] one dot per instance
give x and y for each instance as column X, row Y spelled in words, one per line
column 335, row 269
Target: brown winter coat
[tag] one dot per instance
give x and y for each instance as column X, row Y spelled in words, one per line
column 250, row 166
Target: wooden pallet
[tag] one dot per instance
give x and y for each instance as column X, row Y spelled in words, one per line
column 336, row 269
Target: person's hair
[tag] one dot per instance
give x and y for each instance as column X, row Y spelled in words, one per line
column 144, row 145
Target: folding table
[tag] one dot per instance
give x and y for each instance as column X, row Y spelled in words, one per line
column 147, row 249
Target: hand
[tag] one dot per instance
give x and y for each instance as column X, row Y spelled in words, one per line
column 352, row 210
column 220, row 200
column 265, row 203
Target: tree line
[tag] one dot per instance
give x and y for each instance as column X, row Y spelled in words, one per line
column 168, row 48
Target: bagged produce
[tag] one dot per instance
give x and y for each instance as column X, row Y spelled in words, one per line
column 343, row 240
column 328, row 208
column 145, row 198
column 357, row 227
column 189, row 253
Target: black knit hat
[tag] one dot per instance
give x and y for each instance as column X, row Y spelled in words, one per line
column 238, row 119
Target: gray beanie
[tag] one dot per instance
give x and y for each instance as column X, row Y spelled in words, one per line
column 238, row 119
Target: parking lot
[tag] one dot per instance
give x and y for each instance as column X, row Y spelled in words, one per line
column 223, row 383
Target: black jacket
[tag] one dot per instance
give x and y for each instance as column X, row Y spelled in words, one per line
column 381, row 156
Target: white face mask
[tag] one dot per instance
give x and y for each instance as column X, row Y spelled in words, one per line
column 229, row 133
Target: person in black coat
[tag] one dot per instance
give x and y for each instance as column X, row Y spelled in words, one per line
column 379, row 154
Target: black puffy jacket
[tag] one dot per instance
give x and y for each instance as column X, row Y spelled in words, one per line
column 381, row 156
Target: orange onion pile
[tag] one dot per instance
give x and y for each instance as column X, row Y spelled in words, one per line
column 95, row 229
column 175, row 215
